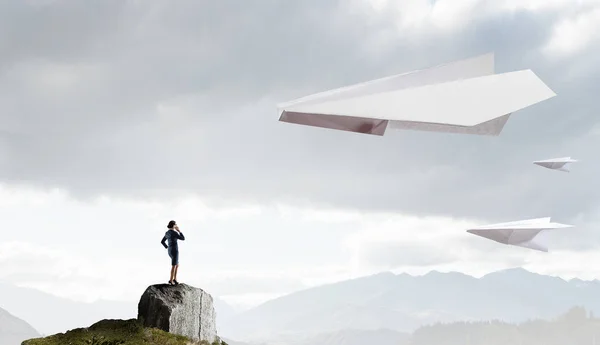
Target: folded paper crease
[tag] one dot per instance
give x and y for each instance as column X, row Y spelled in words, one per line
column 464, row 96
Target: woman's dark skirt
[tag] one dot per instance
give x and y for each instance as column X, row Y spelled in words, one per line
column 174, row 254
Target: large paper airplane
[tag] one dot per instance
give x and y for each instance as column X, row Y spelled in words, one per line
column 556, row 163
column 520, row 233
column 465, row 96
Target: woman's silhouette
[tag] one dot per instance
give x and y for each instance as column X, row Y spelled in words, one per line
column 172, row 235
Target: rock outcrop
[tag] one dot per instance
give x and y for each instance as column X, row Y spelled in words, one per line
column 180, row 309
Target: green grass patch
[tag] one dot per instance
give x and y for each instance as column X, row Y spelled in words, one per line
column 116, row 332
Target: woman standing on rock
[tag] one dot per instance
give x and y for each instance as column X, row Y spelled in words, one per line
column 172, row 235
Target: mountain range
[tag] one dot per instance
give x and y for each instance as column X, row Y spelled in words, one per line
column 50, row 314
column 403, row 303
column 385, row 306
column 14, row 330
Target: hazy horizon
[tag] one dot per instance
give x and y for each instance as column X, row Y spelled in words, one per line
column 259, row 300
column 244, row 305
column 509, row 287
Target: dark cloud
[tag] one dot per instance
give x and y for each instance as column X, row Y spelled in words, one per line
column 141, row 98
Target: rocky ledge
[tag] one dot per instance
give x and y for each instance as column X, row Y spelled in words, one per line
column 182, row 309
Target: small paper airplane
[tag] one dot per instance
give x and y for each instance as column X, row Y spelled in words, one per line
column 520, row 233
column 556, row 163
column 464, row 96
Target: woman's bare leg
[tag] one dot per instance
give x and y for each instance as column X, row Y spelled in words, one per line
column 172, row 273
column 175, row 275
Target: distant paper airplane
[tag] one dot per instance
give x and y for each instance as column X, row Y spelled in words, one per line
column 459, row 97
column 556, row 163
column 520, row 233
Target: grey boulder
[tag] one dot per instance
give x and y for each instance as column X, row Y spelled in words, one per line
column 181, row 309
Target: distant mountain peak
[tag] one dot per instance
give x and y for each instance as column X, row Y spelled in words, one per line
column 380, row 274
column 450, row 273
column 407, row 302
column 521, row 274
column 511, row 271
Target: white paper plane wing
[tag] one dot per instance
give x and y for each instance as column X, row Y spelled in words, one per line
column 519, row 233
column 507, row 236
column 519, row 224
column 556, row 163
column 532, row 244
column 460, row 97
column 478, row 66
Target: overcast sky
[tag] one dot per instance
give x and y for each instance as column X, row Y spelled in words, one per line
column 118, row 116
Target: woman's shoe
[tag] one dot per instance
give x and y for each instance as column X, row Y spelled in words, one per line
column 171, row 282
column 175, row 282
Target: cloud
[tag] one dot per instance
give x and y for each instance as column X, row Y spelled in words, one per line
column 418, row 245
column 243, row 283
column 575, row 33
column 153, row 104
column 59, row 272
column 86, row 251
column 308, row 212
column 389, row 242
column 175, row 107
column 392, row 255
column 150, row 103
column 79, row 277
column 246, row 301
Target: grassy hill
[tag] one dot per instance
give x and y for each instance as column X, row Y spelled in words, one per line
column 575, row 327
column 116, row 332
